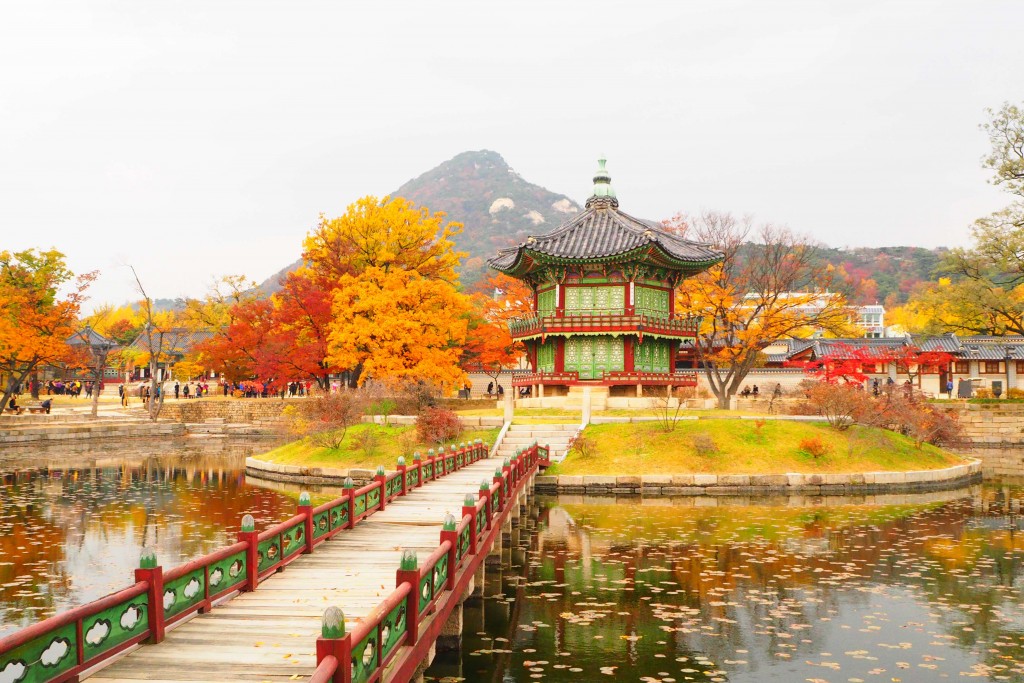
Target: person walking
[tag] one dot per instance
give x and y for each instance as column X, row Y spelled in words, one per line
column 177, row 390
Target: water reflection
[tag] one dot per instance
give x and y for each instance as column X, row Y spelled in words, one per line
column 772, row 590
column 73, row 518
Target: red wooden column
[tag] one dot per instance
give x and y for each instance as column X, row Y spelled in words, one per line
column 152, row 573
column 627, row 353
column 252, row 555
column 306, row 510
column 409, row 572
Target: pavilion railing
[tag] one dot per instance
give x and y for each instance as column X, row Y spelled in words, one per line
column 539, row 323
column 59, row 648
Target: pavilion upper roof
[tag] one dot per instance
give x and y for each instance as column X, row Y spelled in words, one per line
column 602, row 233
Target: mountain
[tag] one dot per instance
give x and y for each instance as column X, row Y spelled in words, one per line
column 498, row 208
column 495, row 205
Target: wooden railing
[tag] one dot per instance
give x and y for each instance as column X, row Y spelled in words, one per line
column 678, row 379
column 427, row 589
column 59, row 648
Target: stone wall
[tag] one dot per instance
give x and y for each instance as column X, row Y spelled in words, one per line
column 763, row 484
column 992, row 425
column 254, row 411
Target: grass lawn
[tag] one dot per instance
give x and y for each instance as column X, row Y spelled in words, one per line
column 741, row 447
column 390, row 442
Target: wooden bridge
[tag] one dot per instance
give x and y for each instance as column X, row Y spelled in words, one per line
column 344, row 610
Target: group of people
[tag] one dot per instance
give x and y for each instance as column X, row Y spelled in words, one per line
column 754, row 392
column 56, row 387
column 491, row 391
column 14, row 407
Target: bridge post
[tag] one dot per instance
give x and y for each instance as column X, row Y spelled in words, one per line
column 469, row 508
column 408, row 572
column 448, row 533
column 485, row 493
column 334, row 642
column 401, row 469
column 349, row 487
column 382, row 480
column 306, row 510
column 153, row 573
column 252, row 554
column 418, row 464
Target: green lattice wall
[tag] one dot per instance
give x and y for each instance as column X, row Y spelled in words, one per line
column 586, row 300
column 650, row 301
column 652, row 356
column 591, row 356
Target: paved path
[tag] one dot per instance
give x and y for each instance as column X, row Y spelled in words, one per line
column 270, row 634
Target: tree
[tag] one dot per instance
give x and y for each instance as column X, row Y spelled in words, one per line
column 988, row 278
column 386, row 234
column 845, row 366
column 490, row 348
column 776, row 290
column 35, row 319
column 398, row 325
column 161, row 335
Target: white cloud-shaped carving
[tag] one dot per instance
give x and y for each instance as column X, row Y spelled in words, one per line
column 191, row 588
column 130, row 617
column 54, row 652
column 13, row 672
column 168, row 598
column 215, row 576
column 235, row 569
column 98, row 632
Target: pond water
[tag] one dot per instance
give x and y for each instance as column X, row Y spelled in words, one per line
column 74, row 517
column 917, row 588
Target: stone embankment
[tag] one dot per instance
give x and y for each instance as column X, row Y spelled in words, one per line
column 763, row 484
column 46, row 431
column 994, row 433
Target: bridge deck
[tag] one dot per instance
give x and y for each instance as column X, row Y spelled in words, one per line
column 270, row 634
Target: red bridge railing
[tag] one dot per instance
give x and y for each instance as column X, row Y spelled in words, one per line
column 425, row 592
column 59, row 648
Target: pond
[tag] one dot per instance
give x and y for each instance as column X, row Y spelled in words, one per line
column 910, row 588
column 74, row 517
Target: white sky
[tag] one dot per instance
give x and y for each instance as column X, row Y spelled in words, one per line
column 197, row 139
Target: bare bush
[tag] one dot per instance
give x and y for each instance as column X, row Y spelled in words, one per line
column 583, row 447
column 366, row 440
column 325, row 418
column 704, row 444
column 841, row 404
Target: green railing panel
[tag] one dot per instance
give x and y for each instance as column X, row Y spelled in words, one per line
column 464, row 539
column 360, row 504
column 111, row 627
column 426, row 589
column 365, row 658
column 428, row 471
column 460, row 459
column 339, row 515
column 321, row 524
column 227, row 572
column 440, row 574
column 373, row 499
column 42, row 659
column 481, row 520
column 392, row 629
column 294, row 540
column 412, row 478
column 450, row 460
column 269, row 552
column 183, row 592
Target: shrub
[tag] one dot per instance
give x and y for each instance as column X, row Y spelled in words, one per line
column 438, row 425
column 704, row 444
column 366, row 440
column 384, row 407
column 326, row 417
column 1015, row 393
column 982, row 392
column 841, row 404
column 814, row 447
column 583, row 447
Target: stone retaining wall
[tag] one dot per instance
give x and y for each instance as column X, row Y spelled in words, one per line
column 990, row 425
column 254, row 411
column 79, row 432
column 760, row 484
column 331, row 476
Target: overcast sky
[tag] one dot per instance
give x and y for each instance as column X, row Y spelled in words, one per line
column 194, row 140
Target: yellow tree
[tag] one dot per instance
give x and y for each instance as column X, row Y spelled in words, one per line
column 388, row 234
column 767, row 287
column 398, row 325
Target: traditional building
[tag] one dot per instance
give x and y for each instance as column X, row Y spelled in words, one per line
column 604, row 302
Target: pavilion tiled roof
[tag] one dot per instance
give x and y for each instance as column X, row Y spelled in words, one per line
column 601, row 231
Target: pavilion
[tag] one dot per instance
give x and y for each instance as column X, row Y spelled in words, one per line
column 604, row 314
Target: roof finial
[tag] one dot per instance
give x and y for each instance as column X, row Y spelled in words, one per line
column 603, row 193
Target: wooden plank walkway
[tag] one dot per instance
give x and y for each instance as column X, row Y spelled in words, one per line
column 270, row 634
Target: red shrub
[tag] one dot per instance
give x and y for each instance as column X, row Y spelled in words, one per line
column 438, row 425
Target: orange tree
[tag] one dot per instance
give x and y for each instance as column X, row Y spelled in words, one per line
column 767, row 287
column 490, row 348
column 35, row 319
column 397, row 326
